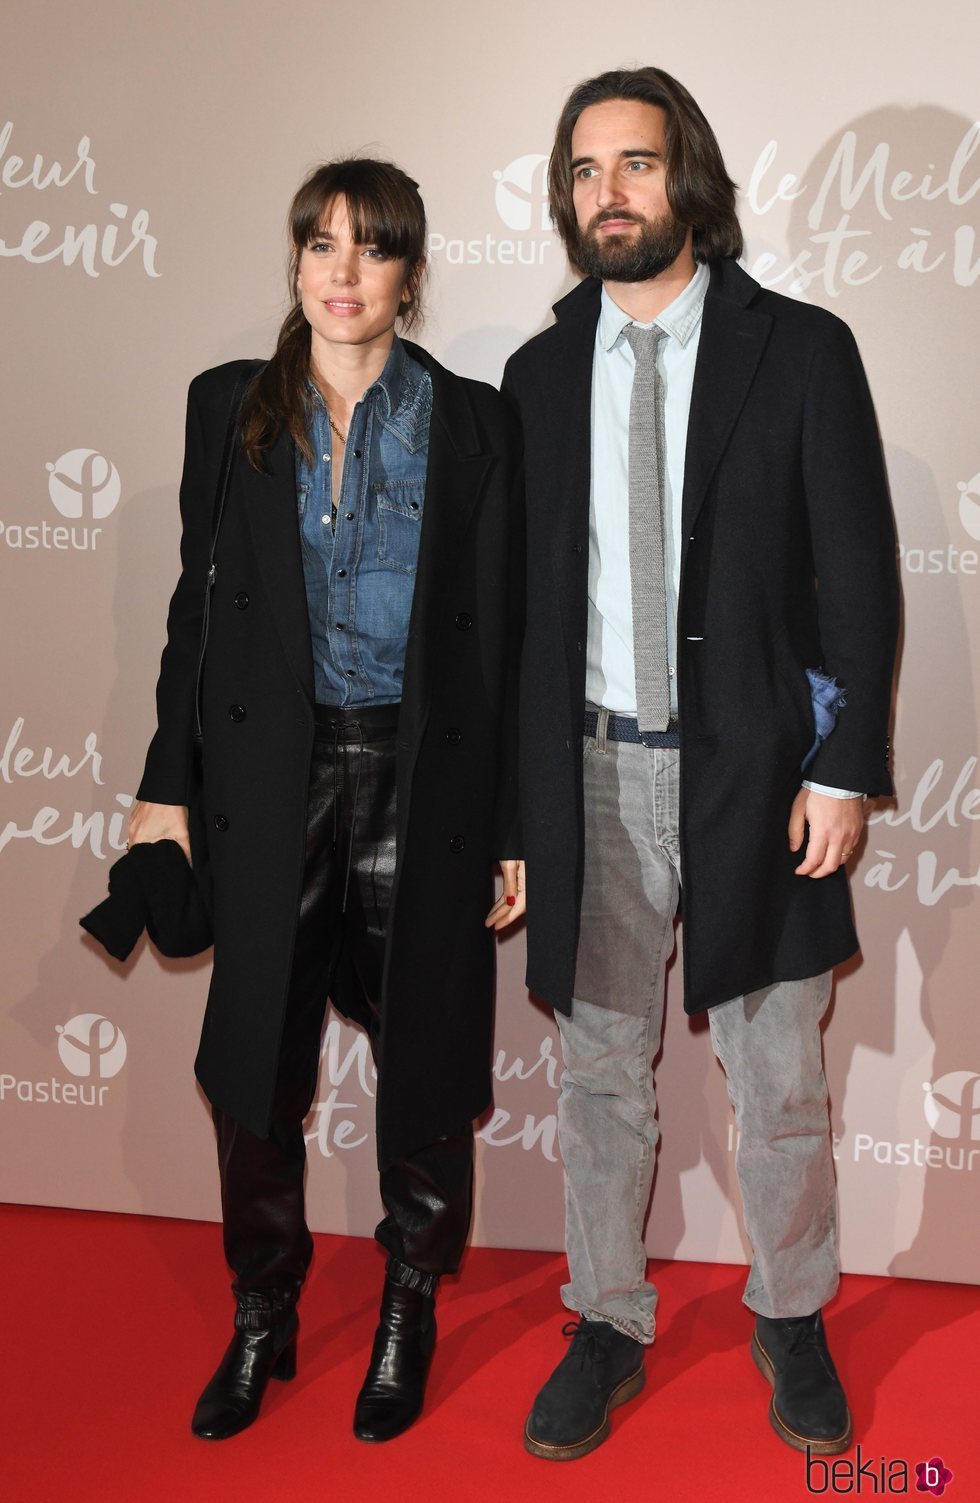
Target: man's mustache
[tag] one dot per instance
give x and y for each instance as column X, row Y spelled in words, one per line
column 605, row 215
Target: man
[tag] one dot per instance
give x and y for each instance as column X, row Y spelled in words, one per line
column 710, row 552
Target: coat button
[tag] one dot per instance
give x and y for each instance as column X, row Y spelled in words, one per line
column 241, row 600
column 453, row 736
column 457, row 844
column 237, row 713
column 576, row 547
column 221, row 822
column 464, row 621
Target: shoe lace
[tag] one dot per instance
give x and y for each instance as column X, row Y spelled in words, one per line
column 585, row 1347
column 807, row 1333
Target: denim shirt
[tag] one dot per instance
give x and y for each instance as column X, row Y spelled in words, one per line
column 359, row 568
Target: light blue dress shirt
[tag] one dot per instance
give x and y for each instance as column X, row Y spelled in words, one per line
column 610, row 668
column 610, row 678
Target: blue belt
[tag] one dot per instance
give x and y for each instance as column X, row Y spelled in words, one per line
column 626, row 728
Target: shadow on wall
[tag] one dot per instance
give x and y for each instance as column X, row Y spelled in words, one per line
column 76, row 975
column 889, row 189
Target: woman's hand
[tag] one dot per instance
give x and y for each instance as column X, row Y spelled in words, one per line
column 511, row 903
column 150, row 822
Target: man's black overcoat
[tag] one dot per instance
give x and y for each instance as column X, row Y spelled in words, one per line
column 457, row 780
column 788, row 563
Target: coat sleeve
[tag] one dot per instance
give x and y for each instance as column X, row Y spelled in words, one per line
column 167, row 773
column 508, row 839
column 853, row 541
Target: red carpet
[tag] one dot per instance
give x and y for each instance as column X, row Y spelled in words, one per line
column 113, row 1323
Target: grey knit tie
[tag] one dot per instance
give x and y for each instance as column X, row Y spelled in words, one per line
column 647, row 458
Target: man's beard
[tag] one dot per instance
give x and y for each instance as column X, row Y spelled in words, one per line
column 637, row 258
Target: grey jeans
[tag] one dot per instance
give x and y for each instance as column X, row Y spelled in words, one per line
column 768, row 1042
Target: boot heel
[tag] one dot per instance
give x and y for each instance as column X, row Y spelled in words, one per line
column 285, row 1368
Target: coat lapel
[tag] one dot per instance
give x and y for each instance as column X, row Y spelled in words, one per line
column 733, row 337
column 457, row 470
column 269, row 502
column 568, row 412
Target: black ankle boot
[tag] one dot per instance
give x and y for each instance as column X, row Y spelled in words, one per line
column 808, row 1408
column 392, row 1392
column 263, row 1347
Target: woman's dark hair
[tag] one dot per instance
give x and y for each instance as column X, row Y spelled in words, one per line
column 699, row 190
column 385, row 210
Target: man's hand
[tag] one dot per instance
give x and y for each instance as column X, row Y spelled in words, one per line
column 150, row 822
column 835, row 827
column 511, row 903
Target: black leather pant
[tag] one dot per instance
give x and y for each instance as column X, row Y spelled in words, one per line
column 350, row 865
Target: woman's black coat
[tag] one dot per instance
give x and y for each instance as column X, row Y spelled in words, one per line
column 457, row 797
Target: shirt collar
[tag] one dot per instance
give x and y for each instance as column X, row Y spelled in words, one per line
column 679, row 319
column 389, row 384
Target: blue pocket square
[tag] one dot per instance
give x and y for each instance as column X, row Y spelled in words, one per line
column 827, row 698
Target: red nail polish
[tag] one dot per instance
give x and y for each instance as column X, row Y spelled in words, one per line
column 511, row 902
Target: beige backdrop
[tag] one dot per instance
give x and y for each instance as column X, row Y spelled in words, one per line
column 145, row 171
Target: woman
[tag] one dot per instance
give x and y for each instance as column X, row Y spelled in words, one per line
column 358, row 771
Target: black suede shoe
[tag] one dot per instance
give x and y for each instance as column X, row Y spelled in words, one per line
column 393, row 1390
column 263, row 1347
column 602, row 1368
column 808, row 1408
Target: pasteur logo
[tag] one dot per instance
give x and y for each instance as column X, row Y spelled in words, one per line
column 970, row 506
column 522, row 193
column 952, row 1105
column 84, row 483
column 90, row 1045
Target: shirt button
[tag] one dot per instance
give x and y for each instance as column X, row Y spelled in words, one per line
column 349, row 672
column 358, row 453
column 341, row 573
column 576, row 547
column 338, row 626
column 241, row 601
column 325, row 517
column 221, row 822
column 414, row 505
column 326, row 458
column 464, row 621
column 457, row 844
column 349, row 516
column 236, row 713
column 453, row 736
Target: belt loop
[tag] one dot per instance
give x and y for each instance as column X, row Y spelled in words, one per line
column 602, row 721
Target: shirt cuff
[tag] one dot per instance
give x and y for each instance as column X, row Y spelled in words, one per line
column 830, row 792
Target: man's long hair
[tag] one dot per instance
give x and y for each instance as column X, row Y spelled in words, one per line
column 385, row 210
column 700, row 192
